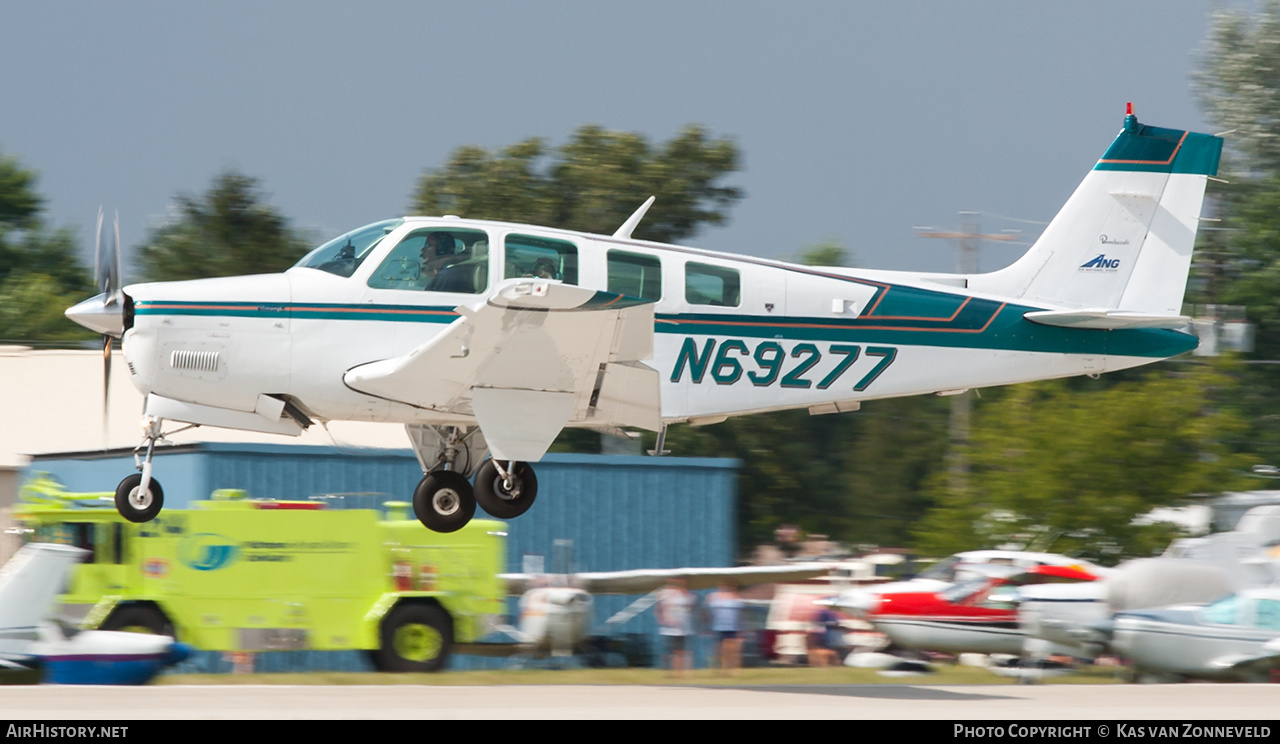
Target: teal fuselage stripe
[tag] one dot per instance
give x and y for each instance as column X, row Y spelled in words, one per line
column 1007, row 331
column 945, row 321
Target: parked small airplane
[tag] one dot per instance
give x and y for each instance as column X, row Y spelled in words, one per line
column 557, row 611
column 486, row 339
column 963, row 566
column 1191, row 570
column 29, row 584
column 1236, row 638
column 973, row 616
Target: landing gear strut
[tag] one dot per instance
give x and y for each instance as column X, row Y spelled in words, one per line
column 139, row 498
column 444, row 500
column 506, row 492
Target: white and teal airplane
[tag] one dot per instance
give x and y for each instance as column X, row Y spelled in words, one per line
column 486, row 339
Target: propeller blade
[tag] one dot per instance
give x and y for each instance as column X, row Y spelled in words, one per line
column 97, row 254
column 115, row 274
column 106, row 274
column 106, row 386
column 106, row 266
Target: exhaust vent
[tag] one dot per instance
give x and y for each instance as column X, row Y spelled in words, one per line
column 199, row 361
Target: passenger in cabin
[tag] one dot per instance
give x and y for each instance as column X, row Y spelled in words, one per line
column 543, row 268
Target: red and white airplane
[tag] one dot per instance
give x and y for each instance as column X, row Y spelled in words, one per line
column 973, row 616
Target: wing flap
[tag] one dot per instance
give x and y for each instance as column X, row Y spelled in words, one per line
column 527, row 361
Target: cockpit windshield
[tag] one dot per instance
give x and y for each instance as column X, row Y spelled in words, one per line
column 344, row 254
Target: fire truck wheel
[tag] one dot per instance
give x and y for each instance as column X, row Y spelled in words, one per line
column 135, row 506
column 444, row 501
column 497, row 500
column 139, row 619
column 414, row 638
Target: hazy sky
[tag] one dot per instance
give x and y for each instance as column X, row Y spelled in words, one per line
column 857, row 120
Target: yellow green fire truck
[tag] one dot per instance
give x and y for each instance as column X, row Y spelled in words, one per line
column 235, row 574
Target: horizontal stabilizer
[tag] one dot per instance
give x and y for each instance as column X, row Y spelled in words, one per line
column 1104, row 319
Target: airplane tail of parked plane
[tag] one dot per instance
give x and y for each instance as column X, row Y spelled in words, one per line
column 1118, row 253
column 29, row 583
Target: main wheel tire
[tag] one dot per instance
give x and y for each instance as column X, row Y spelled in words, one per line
column 135, row 506
column 414, row 638
column 444, row 501
column 139, row 619
column 497, row 500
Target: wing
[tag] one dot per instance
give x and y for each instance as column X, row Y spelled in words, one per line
column 645, row 580
column 536, row 356
column 642, row 581
column 1251, row 666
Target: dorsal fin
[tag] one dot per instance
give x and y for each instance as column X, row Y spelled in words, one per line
column 625, row 231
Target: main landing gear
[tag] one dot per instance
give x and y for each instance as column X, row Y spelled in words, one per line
column 444, row 500
column 506, row 492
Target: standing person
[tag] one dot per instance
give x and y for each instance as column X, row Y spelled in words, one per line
column 675, row 616
column 725, row 607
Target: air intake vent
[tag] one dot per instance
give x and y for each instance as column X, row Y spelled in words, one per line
column 200, row 361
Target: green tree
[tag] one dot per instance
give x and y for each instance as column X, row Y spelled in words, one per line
column 1238, row 82
column 40, row 269
column 20, row 205
column 1238, row 259
column 229, row 230
column 591, row 183
column 826, row 253
column 1061, row 469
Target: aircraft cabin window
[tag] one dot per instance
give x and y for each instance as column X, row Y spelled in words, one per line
column 344, row 254
column 436, row 259
column 635, row 275
column 541, row 257
column 1266, row 614
column 711, row 285
column 1223, row 612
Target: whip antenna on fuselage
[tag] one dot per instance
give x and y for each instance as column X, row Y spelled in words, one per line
column 625, row 231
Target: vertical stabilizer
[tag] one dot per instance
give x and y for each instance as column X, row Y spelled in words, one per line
column 29, row 583
column 1124, row 238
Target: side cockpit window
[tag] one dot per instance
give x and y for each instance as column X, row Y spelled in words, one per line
column 546, row 258
column 436, row 259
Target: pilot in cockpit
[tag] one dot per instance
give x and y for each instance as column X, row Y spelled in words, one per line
column 437, row 253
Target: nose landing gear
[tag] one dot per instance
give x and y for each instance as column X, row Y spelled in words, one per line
column 139, row 497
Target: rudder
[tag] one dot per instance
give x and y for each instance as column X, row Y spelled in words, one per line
column 1124, row 239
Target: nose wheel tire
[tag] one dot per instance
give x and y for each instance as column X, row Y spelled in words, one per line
column 444, row 501
column 502, row 502
column 135, row 505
